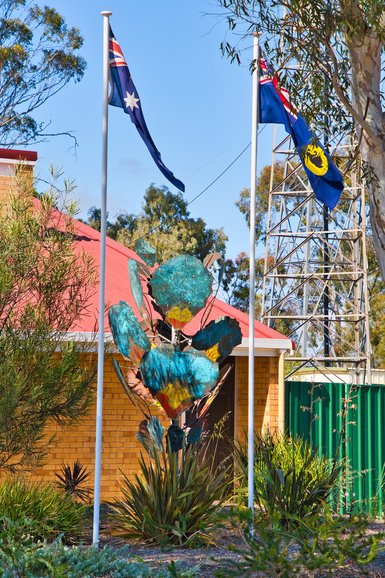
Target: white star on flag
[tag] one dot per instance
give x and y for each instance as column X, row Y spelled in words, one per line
column 131, row 101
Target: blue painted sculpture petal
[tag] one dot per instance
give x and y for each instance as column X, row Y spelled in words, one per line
column 177, row 378
column 181, row 288
column 218, row 338
column 195, row 433
column 128, row 336
column 135, row 284
column 146, row 252
column 175, row 438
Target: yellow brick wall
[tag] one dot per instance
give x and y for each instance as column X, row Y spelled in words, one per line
column 7, row 183
column 266, row 394
column 121, row 450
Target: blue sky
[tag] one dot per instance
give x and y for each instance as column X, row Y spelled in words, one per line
column 197, row 107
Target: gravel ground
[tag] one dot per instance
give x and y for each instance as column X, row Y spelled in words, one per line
column 209, row 559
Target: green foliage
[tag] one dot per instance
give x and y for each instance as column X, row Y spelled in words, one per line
column 122, row 221
column 173, row 501
column 263, row 187
column 166, row 224
column 45, row 285
column 41, row 510
column 38, row 57
column 236, row 282
column 236, row 271
column 20, row 556
column 289, row 477
column 72, row 480
column 311, row 545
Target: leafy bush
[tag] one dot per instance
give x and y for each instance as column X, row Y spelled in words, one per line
column 170, row 504
column 72, row 481
column 289, row 477
column 45, row 510
column 315, row 545
column 30, row 560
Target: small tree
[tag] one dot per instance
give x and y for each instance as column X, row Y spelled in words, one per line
column 45, row 286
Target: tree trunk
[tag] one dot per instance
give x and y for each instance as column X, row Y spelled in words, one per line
column 365, row 57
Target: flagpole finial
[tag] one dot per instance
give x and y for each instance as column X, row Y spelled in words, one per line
column 106, row 13
column 256, row 34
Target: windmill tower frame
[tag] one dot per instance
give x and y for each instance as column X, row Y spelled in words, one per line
column 315, row 271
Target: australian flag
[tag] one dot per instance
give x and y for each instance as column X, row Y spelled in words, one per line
column 125, row 96
column 275, row 107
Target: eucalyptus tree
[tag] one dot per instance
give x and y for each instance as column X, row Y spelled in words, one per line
column 166, row 223
column 38, row 57
column 331, row 58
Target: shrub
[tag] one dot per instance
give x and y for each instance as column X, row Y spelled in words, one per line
column 171, row 505
column 45, row 287
column 72, row 481
column 289, row 477
column 315, row 545
column 47, row 511
column 31, row 560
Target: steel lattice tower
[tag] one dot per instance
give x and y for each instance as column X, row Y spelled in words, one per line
column 315, row 272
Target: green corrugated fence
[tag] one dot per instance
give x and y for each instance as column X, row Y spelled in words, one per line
column 348, row 422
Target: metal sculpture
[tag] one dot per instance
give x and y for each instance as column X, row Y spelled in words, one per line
column 164, row 367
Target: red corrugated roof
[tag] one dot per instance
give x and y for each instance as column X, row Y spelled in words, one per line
column 118, row 288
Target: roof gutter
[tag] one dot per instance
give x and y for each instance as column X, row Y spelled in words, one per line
column 262, row 346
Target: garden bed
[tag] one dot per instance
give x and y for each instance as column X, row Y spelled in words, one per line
column 217, row 555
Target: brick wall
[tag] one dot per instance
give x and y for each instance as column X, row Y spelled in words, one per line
column 5, row 185
column 121, row 450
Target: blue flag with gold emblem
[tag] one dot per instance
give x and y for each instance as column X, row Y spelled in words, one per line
column 275, row 107
column 125, row 96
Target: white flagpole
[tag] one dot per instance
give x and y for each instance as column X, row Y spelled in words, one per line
column 103, row 226
column 254, row 147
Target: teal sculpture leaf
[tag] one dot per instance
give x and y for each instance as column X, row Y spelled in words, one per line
column 135, row 284
column 155, row 429
column 129, row 337
column 181, row 288
column 146, row 252
column 218, row 338
column 150, row 435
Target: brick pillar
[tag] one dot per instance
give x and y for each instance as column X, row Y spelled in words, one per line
column 10, row 161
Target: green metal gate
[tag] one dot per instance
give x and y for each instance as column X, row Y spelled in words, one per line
column 347, row 422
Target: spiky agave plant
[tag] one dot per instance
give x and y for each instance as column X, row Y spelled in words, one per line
column 71, row 479
column 172, row 502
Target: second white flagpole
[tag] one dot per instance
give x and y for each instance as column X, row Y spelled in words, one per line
column 254, row 149
column 102, row 280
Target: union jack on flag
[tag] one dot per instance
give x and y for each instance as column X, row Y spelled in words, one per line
column 124, row 95
column 116, row 54
column 267, row 78
column 275, row 107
